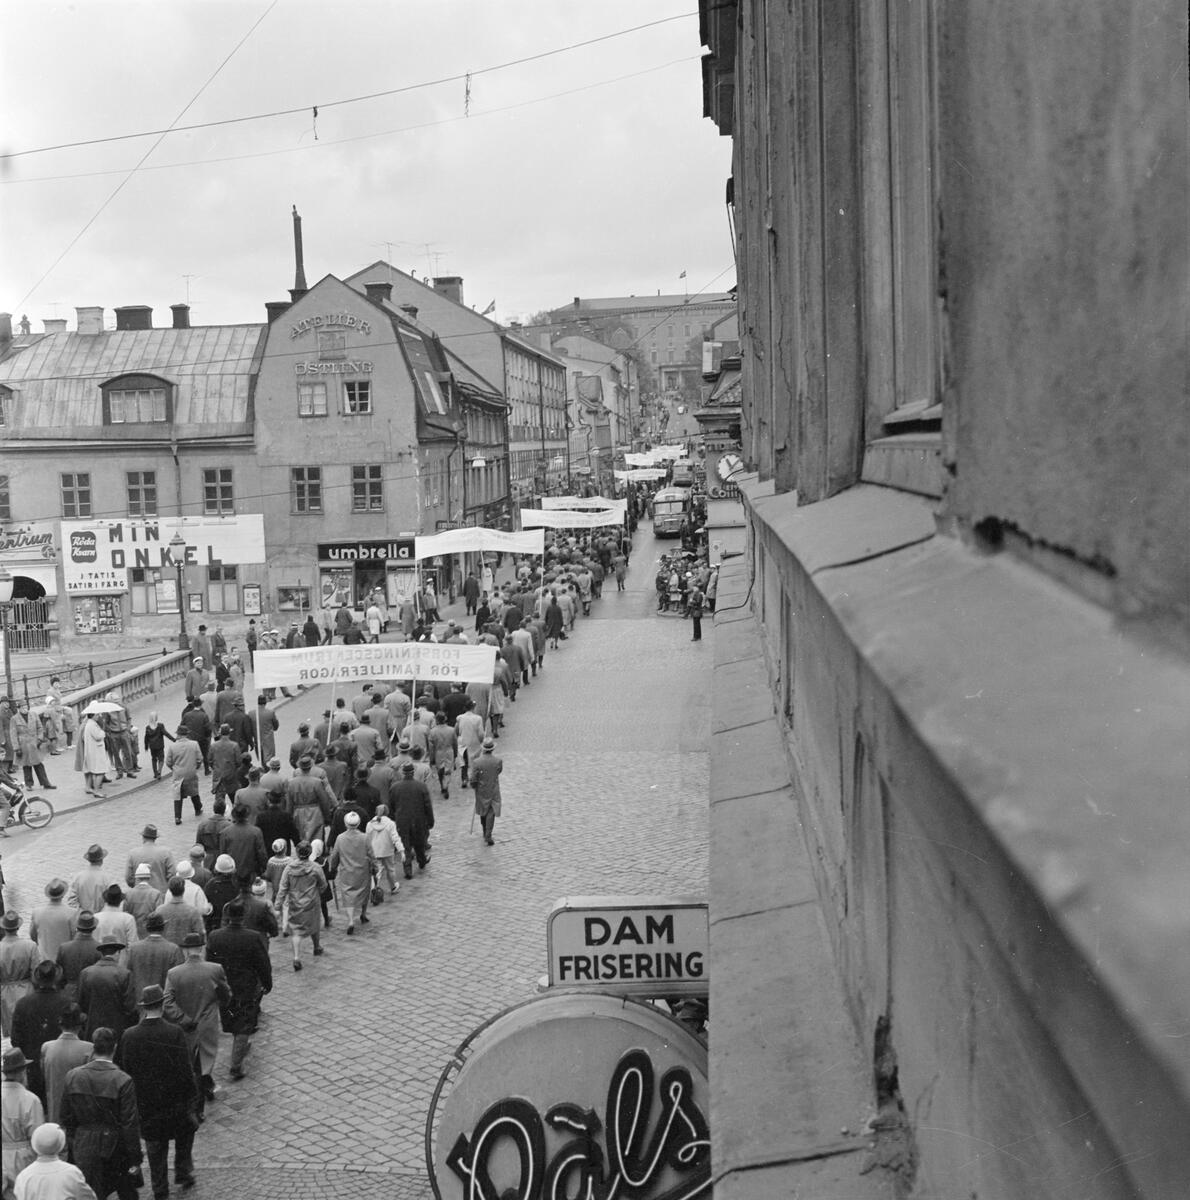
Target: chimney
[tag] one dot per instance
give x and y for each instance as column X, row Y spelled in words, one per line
column 56, row 325
column 134, row 316
column 299, row 288
column 275, row 308
column 450, row 286
column 90, row 319
column 5, row 328
column 578, row 302
column 181, row 314
column 411, row 309
column 379, row 292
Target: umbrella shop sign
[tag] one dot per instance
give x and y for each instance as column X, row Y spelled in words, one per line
column 454, row 662
column 97, row 554
column 643, row 946
column 574, row 1095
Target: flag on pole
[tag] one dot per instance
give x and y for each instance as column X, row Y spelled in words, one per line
column 490, row 309
column 683, row 275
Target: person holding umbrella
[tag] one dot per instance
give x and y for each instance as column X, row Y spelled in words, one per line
column 91, row 756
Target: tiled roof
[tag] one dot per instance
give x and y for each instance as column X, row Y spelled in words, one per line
column 56, row 380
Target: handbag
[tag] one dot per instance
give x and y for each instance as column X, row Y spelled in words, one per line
column 377, row 894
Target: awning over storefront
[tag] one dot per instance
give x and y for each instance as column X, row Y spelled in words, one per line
column 43, row 574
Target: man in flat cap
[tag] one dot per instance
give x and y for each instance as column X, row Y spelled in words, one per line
column 157, row 1058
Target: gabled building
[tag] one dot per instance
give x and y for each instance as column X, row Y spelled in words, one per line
column 533, row 381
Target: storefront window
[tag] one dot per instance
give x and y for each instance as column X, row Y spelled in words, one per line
column 223, row 594
column 142, row 587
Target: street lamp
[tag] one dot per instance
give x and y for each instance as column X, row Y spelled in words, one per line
column 177, row 550
column 6, row 582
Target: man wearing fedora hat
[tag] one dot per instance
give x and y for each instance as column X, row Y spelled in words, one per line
column 114, row 921
column 160, row 860
column 76, row 955
column 18, row 957
column 413, row 815
column 49, row 1175
column 101, row 1121
column 156, row 1056
column 52, row 924
column 105, row 990
column 485, row 779
column 87, row 887
column 151, row 958
column 195, row 992
column 244, row 957
column 20, row 1114
column 60, row 1055
column 35, row 1020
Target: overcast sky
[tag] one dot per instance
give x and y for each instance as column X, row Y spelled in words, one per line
column 588, row 171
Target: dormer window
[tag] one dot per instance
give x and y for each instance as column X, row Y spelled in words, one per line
column 136, row 400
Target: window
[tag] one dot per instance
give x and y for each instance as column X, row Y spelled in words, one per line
column 222, row 593
column 5, row 502
column 142, row 497
column 671, row 356
column 653, row 357
column 5, row 397
column 76, row 495
column 136, row 404
column 217, row 496
column 305, row 489
column 142, row 584
column 367, row 489
column 357, row 397
column 311, row 399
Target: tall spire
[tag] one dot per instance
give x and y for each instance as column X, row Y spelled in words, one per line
column 299, row 278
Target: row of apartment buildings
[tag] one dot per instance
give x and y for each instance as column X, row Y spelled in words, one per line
column 297, row 458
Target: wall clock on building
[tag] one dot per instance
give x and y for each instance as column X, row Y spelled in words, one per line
column 728, row 466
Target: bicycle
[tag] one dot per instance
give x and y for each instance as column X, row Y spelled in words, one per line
column 30, row 811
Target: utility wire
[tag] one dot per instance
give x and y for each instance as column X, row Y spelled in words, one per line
column 363, row 137
column 120, row 186
column 325, row 104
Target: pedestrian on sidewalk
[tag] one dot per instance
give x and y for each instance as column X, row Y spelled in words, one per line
column 694, row 603
column 485, row 779
column 154, row 738
column 299, row 897
column 28, row 737
column 181, row 759
column 91, row 756
column 198, row 727
column 155, row 1056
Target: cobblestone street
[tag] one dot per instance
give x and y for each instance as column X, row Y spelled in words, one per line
column 605, row 785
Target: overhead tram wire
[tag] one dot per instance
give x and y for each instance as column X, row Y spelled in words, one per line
column 324, row 143
column 123, row 182
column 322, row 105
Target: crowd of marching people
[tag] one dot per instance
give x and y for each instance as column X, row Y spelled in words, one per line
column 116, row 989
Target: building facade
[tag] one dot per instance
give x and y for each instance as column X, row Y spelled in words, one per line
column 531, row 380
column 297, row 460
column 954, row 897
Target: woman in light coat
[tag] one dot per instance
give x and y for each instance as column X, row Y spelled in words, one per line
column 299, row 896
column 386, row 847
column 91, row 756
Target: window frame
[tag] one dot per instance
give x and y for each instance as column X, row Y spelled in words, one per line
column 76, row 496
column 305, row 491
column 142, row 589
column 146, row 485
column 215, row 503
column 5, row 499
column 351, row 407
column 367, row 487
column 313, row 388
column 136, row 384
column 220, row 577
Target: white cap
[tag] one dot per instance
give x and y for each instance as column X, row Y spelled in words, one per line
column 185, row 870
column 352, row 818
column 144, row 869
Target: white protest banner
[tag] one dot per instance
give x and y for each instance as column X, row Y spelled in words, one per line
column 570, row 503
column 452, row 661
column 642, row 474
column 459, row 541
column 571, row 520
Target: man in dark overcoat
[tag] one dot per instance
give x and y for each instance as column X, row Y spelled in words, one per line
column 413, row 813
column 244, row 957
column 156, row 1057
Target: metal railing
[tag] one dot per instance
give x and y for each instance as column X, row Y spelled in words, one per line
column 134, row 683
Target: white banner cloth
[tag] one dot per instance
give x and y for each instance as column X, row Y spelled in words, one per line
column 571, row 503
column 459, row 541
column 642, row 474
column 571, row 519
column 453, row 661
